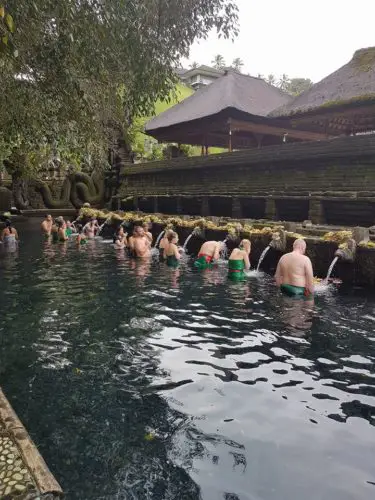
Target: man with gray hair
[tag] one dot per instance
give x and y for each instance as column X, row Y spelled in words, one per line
column 294, row 273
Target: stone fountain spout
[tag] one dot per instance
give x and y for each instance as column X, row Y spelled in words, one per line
column 278, row 241
column 347, row 252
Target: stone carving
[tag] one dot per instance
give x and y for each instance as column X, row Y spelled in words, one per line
column 5, row 199
column 78, row 188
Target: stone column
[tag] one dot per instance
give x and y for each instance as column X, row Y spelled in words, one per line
column 316, row 211
column 236, row 208
column 135, row 203
column 205, row 209
column 178, row 205
column 271, row 210
column 156, row 205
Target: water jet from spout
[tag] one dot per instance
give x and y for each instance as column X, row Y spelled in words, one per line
column 261, row 258
column 158, row 239
column 333, row 263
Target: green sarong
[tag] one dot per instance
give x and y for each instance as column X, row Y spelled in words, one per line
column 236, row 270
column 55, row 237
column 294, row 291
column 172, row 261
column 68, row 232
column 203, row 262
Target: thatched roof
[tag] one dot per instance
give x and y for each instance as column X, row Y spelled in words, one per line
column 351, row 84
column 233, row 91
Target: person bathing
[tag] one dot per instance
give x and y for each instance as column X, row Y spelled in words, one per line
column 294, row 273
column 171, row 252
column 139, row 244
column 164, row 242
column 239, row 261
column 209, row 252
column 120, row 238
column 46, row 226
column 9, row 236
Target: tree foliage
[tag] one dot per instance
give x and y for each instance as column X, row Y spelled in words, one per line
column 237, row 64
column 218, row 61
column 76, row 66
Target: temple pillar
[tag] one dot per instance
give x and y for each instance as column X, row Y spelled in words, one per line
column 236, row 208
column 205, row 207
column 271, row 209
column 178, row 205
column 156, row 205
column 316, row 211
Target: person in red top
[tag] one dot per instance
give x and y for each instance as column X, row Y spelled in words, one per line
column 209, row 252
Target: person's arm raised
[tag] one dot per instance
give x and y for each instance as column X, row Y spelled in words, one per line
column 246, row 260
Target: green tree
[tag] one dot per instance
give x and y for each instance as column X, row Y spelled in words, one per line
column 237, row 64
column 78, row 66
column 218, row 62
column 271, row 79
column 284, row 82
column 298, row 85
column 194, row 65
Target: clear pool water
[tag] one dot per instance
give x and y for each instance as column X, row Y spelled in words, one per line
column 140, row 382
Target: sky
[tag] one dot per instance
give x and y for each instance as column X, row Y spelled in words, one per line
column 301, row 38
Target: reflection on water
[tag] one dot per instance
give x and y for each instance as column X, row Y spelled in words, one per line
column 140, row 381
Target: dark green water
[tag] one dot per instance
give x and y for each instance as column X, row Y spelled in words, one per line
column 138, row 382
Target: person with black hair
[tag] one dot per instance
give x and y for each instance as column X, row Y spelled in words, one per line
column 9, row 236
column 119, row 238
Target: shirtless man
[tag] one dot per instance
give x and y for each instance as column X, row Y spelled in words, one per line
column 90, row 228
column 209, row 252
column 140, row 243
column 46, row 226
column 294, row 273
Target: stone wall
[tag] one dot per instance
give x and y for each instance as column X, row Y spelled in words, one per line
column 327, row 182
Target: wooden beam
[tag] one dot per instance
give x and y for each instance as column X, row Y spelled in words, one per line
column 276, row 131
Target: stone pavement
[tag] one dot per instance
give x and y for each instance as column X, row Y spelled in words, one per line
column 23, row 473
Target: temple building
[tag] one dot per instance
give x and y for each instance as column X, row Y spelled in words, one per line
column 243, row 112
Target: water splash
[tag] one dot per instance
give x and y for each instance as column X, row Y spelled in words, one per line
column 224, row 250
column 333, row 263
column 184, row 247
column 261, row 259
column 159, row 239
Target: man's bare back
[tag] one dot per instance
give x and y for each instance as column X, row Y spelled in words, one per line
column 295, row 268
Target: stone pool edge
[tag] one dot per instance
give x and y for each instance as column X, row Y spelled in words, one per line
column 33, row 461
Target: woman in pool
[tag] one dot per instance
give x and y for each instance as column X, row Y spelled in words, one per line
column 61, row 230
column 9, row 236
column 239, row 261
column 119, row 239
column 69, row 229
column 81, row 238
column 171, row 253
column 164, row 242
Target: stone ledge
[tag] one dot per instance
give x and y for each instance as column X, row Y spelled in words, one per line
column 23, row 472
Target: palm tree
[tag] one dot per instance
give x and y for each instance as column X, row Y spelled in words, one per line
column 218, row 61
column 284, row 82
column 194, row 65
column 271, row 79
column 237, row 64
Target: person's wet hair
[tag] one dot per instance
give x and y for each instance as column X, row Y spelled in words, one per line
column 8, row 223
column 171, row 236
